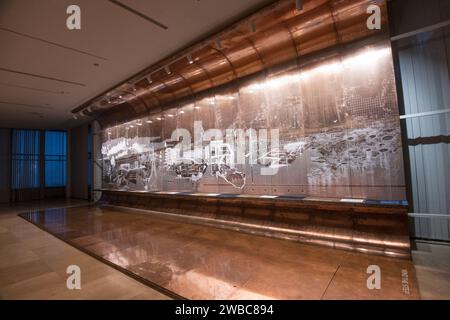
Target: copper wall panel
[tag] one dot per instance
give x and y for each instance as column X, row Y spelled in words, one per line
column 336, row 117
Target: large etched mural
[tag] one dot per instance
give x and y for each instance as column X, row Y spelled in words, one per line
column 325, row 129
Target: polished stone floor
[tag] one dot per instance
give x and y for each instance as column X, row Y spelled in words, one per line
column 200, row 262
column 432, row 264
column 33, row 263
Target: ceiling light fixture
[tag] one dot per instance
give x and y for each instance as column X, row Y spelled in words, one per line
column 189, row 57
column 218, row 44
column 252, row 26
column 167, row 70
column 75, row 116
column 149, row 121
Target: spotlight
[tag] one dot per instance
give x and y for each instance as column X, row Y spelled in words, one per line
column 149, row 80
column 120, row 97
column 189, row 57
column 218, row 44
column 167, row 70
column 74, row 116
column 252, row 26
column 299, row 5
column 149, row 121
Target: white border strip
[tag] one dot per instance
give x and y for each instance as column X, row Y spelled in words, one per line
column 424, row 114
column 421, row 30
column 428, row 215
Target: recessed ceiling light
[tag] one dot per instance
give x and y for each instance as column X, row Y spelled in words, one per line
column 189, row 57
column 149, row 121
column 218, row 44
column 252, row 26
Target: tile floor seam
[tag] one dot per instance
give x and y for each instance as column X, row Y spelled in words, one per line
column 329, row 283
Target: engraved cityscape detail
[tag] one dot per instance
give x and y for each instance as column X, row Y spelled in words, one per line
column 327, row 130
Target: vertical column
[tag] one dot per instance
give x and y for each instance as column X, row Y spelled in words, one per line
column 41, row 164
column 68, row 163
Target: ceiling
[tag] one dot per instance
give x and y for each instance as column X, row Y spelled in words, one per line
column 46, row 70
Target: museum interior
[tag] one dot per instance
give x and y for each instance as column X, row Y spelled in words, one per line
column 225, row 150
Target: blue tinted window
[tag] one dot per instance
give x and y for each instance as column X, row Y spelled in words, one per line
column 25, row 171
column 55, row 158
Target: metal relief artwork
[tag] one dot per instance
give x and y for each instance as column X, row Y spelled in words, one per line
column 328, row 129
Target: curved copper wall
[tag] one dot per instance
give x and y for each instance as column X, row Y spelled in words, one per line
column 274, row 35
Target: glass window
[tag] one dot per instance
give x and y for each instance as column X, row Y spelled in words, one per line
column 25, row 173
column 55, row 158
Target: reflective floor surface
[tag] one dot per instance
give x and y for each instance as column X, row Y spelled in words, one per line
column 202, row 262
column 33, row 263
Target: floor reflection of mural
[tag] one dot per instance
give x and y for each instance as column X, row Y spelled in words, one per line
column 329, row 130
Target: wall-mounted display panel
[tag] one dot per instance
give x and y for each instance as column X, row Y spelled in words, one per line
column 325, row 128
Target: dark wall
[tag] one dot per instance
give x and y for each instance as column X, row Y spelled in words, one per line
column 408, row 15
column 5, row 143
